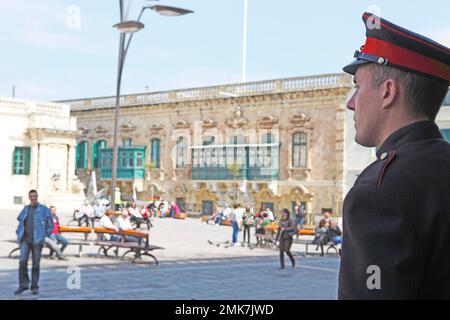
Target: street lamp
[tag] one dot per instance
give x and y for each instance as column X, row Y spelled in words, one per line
column 129, row 28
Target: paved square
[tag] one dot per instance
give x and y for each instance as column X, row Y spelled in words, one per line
column 189, row 268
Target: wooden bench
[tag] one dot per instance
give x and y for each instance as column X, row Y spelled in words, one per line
column 329, row 246
column 140, row 248
column 227, row 223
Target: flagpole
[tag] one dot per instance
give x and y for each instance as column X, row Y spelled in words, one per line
column 244, row 45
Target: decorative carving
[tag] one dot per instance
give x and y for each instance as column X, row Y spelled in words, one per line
column 56, row 181
column 127, row 128
column 209, row 124
column 154, row 174
column 300, row 173
column 181, row 173
column 267, row 122
column 101, row 131
column 84, row 131
column 182, row 124
column 156, row 128
column 300, row 120
column 238, row 120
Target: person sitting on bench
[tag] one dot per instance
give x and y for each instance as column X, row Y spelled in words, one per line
column 105, row 222
column 56, row 236
column 334, row 233
column 321, row 235
column 124, row 223
column 135, row 214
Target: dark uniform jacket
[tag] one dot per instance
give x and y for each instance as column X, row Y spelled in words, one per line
column 397, row 221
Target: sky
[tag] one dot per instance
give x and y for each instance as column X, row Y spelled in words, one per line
column 68, row 49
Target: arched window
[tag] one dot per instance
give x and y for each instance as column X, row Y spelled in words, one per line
column 155, row 152
column 82, row 155
column 96, row 147
column 299, row 150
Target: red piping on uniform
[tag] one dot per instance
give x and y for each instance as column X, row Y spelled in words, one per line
column 367, row 15
column 406, row 58
column 380, row 178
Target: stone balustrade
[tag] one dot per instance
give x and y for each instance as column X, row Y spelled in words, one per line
column 326, row 81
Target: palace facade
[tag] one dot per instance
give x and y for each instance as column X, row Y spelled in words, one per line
column 269, row 143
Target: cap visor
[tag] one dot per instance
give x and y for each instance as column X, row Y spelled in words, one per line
column 352, row 67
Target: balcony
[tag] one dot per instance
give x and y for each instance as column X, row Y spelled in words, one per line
column 254, row 162
column 131, row 165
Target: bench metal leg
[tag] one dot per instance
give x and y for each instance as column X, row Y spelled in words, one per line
column 12, row 251
column 127, row 252
column 332, row 247
column 139, row 255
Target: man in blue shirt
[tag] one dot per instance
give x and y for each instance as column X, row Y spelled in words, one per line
column 35, row 223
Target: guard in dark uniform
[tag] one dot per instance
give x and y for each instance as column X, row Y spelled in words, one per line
column 396, row 235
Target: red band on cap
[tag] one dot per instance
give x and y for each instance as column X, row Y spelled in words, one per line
column 406, row 58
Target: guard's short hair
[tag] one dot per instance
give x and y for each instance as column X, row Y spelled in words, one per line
column 423, row 95
column 32, row 191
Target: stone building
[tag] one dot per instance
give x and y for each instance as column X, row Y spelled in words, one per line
column 38, row 142
column 267, row 143
column 270, row 142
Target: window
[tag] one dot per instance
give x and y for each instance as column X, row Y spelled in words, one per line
column 181, row 152
column 446, row 134
column 299, row 150
column 208, row 153
column 265, row 153
column 21, row 161
column 82, row 155
column 127, row 142
column 155, row 152
column 96, row 147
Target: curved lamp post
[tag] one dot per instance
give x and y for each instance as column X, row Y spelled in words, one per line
column 129, row 28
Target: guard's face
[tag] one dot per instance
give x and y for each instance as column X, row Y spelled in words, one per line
column 365, row 105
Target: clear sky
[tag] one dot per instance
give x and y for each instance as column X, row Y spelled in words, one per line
column 48, row 56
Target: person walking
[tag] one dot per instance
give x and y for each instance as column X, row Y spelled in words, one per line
column 248, row 220
column 35, row 224
column 287, row 228
column 235, row 223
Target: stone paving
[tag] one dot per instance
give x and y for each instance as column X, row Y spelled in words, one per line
column 189, row 268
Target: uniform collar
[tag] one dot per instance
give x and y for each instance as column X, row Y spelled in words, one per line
column 417, row 131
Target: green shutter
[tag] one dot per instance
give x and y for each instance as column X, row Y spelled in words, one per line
column 78, row 155
column 16, row 159
column 26, row 161
column 82, row 154
column 95, row 154
column 21, row 161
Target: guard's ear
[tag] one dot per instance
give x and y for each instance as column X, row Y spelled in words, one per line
column 389, row 91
